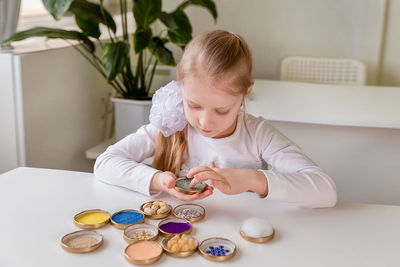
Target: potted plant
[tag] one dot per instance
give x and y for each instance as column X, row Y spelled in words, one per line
column 130, row 81
column 9, row 14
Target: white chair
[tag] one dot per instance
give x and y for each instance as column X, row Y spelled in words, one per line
column 323, row 70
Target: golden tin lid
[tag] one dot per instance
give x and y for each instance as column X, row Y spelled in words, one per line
column 257, row 230
column 81, row 241
column 92, row 219
column 182, row 185
column 124, row 218
column 190, row 212
column 217, row 249
column 140, row 232
column 173, row 226
column 180, row 245
column 156, row 209
column 257, row 239
column 143, row 252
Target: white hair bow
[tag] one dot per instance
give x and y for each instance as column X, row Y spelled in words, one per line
column 167, row 112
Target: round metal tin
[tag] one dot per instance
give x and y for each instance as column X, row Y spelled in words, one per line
column 217, row 249
column 180, row 254
column 183, row 211
column 130, row 233
column 124, row 226
column 182, row 185
column 144, row 261
column 81, row 246
column 91, row 226
column 257, row 239
column 155, row 216
column 174, row 220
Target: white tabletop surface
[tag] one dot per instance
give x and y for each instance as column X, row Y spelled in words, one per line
column 38, row 206
column 345, row 105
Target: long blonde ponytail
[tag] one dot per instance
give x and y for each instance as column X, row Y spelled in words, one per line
column 170, row 152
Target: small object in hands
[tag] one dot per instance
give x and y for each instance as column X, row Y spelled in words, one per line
column 81, row 241
column 139, row 232
column 257, row 230
column 180, row 245
column 92, row 219
column 156, row 209
column 143, row 252
column 217, row 249
column 173, row 226
column 124, row 218
column 182, row 185
column 190, row 212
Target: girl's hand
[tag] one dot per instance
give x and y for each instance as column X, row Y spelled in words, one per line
column 230, row 181
column 165, row 181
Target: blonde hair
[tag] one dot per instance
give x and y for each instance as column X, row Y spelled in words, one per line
column 218, row 53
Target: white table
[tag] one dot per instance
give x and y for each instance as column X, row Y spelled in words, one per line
column 38, row 206
column 352, row 132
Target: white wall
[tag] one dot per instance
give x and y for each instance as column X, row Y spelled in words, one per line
column 321, row 28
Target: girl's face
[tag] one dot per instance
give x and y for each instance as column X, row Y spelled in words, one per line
column 209, row 106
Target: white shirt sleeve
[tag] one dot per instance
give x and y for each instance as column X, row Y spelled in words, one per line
column 292, row 177
column 120, row 163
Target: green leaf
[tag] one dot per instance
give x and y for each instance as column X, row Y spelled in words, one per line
column 178, row 25
column 141, row 39
column 146, row 12
column 57, row 8
column 91, row 13
column 88, row 26
column 115, row 58
column 163, row 54
column 207, row 4
column 53, row 34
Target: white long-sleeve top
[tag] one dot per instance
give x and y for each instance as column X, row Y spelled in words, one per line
column 292, row 177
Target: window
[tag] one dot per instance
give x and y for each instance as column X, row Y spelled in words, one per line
column 32, row 8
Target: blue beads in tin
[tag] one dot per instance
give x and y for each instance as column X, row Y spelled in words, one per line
column 217, row 251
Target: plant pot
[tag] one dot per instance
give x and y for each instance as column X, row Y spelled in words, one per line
column 130, row 115
column 9, row 14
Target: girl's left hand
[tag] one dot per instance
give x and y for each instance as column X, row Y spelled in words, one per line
column 230, row 181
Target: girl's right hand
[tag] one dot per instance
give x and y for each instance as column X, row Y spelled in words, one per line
column 165, row 181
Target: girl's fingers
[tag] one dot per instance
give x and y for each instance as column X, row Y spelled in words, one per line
column 221, row 185
column 212, row 164
column 203, row 176
column 196, row 170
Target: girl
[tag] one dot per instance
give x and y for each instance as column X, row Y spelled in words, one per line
column 199, row 130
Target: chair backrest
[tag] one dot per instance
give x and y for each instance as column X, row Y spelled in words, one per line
column 323, row 70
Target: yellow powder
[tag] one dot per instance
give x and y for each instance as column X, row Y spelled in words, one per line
column 93, row 218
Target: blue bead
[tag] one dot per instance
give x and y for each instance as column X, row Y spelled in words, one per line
column 211, row 247
column 208, row 251
column 227, row 250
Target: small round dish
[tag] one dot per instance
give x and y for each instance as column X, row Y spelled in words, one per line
column 180, row 254
column 217, row 249
column 173, row 226
column 91, row 219
column 190, row 212
column 257, row 239
column 182, row 185
column 140, row 232
column 124, row 218
column 155, row 216
column 257, row 230
column 81, row 241
column 143, row 252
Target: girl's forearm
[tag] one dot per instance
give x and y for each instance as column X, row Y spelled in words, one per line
column 257, row 181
